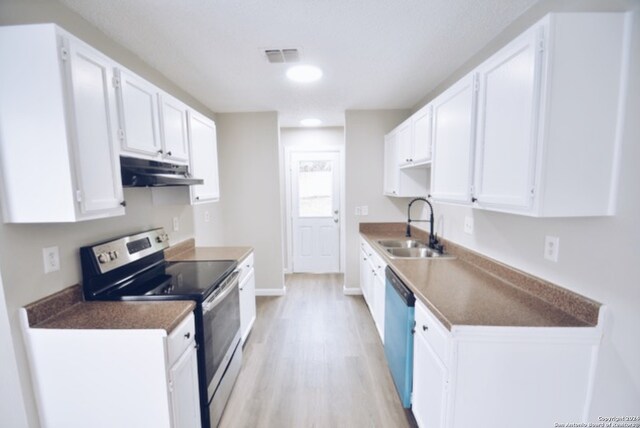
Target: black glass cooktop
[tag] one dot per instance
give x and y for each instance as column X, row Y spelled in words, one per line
column 192, row 280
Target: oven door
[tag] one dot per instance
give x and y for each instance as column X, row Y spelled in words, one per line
column 221, row 319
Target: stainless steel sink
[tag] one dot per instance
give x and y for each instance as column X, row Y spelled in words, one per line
column 417, row 253
column 402, row 243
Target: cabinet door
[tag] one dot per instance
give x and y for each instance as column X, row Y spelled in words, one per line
column 421, row 125
column 379, row 290
column 247, row 303
column 507, row 117
column 183, row 386
column 173, row 129
column 453, row 137
column 429, row 385
column 365, row 277
column 390, row 166
column 404, row 144
column 95, row 146
column 138, row 108
column 204, row 157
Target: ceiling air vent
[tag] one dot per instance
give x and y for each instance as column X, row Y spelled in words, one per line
column 282, row 55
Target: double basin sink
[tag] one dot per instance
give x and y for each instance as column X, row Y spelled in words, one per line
column 411, row 249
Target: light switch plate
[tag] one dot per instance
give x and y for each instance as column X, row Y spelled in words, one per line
column 364, row 210
column 358, row 211
column 207, row 217
column 551, row 248
column 176, row 224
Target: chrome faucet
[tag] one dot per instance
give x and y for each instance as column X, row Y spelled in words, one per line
column 433, row 238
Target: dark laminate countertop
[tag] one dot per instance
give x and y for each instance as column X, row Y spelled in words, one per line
column 187, row 251
column 67, row 310
column 473, row 290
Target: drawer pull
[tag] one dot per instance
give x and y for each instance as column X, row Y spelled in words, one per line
column 424, row 327
column 187, row 335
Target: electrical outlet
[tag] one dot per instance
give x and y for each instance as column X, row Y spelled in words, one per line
column 51, row 259
column 551, row 248
column 364, row 210
column 176, row 224
column 468, row 225
column 207, row 217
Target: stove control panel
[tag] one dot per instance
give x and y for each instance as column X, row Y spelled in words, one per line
column 119, row 252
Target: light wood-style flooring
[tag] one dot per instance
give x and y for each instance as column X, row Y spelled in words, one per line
column 314, row 359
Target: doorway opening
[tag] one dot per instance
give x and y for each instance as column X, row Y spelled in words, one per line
column 314, row 196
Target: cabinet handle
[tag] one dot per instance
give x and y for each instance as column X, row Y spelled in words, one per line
column 197, row 198
column 187, row 335
column 424, row 327
column 474, row 199
column 160, row 151
column 123, row 203
column 169, row 153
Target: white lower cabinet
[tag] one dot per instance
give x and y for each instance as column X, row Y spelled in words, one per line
column 115, row 378
column 372, row 283
column 485, row 376
column 247, row 296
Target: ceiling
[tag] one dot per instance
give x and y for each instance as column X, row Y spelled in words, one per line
column 375, row 54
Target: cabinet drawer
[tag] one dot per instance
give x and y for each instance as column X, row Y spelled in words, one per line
column 436, row 335
column 245, row 267
column 180, row 338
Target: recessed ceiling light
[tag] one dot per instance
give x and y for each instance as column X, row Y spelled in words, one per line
column 304, row 73
column 310, row 122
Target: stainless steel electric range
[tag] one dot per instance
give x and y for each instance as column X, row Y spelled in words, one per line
column 134, row 268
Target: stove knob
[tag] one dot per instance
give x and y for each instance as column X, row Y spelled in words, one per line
column 103, row 258
column 113, row 255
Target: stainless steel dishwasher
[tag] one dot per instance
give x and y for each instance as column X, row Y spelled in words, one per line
column 399, row 316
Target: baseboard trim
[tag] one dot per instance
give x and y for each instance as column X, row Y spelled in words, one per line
column 271, row 291
column 351, row 291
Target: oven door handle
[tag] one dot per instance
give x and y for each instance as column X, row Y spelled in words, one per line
column 226, row 288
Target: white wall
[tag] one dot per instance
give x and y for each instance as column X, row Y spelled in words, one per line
column 305, row 139
column 248, row 149
column 364, row 145
column 599, row 257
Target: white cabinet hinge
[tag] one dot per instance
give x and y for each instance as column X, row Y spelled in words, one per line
column 115, row 81
column 64, row 53
column 533, row 191
column 541, row 45
column 475, row 83
column 79, row 195
column 120, row 134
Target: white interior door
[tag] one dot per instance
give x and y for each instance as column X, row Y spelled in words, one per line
column 315, row 210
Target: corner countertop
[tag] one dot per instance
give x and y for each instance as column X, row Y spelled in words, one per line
column 67, row 310
column 472, row 290
column 187, row 252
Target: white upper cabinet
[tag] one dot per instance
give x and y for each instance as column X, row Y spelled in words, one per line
column 548, row 121
column 414, row 139
column 506, row 124
column 204, row 158
column 405, row 149
column 422, row 129
column 138, row 108
column 173, row 128
column 453, row 139
column 59, row 155
column 402, row 182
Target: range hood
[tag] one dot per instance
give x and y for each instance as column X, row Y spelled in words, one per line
column 147, row 173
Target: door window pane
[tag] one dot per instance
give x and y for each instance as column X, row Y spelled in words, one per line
column 315, row 188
